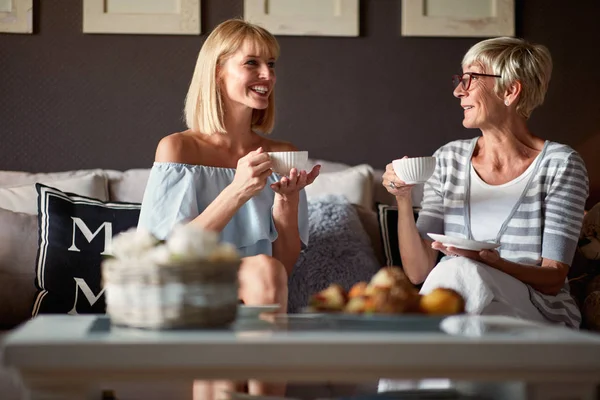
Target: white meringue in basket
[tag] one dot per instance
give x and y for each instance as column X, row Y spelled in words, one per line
column 414, row 170
column 188, row 242
column 284, row 161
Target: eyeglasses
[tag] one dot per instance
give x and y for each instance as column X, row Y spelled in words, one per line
column 466, row 78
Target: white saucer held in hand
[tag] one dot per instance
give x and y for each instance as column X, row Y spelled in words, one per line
column 464, row 244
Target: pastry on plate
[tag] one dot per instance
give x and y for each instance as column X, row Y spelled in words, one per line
column 442, row 301
column 333, row 298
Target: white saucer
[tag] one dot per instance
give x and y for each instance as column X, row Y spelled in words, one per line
column 414, row 182
column 245, row 311
column 461, row 243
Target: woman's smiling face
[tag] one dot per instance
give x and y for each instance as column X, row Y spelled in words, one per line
column 248, row 77
column 481, row 106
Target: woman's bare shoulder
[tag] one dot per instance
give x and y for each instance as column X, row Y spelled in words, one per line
column 180, row 147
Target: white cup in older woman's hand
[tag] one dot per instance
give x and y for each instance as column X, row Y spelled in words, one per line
column 414, row 170
column 283, row 161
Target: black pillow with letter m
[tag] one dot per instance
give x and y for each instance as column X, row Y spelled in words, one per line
column 74, row 236
column 388, row 226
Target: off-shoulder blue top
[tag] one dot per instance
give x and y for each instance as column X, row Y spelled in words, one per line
column 178, row 193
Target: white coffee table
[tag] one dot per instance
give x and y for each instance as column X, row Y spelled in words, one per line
column 63, row 356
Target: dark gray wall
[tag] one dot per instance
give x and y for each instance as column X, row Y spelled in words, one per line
column 69, row 100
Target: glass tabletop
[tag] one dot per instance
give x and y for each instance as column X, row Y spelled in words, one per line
column 310, row 323
column 464, row 325
column 348, row 322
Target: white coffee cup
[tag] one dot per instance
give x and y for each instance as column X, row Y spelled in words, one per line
column 414, row 170
column 284, row 161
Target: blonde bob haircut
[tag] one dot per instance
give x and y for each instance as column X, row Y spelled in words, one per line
column 203, row 103
column 515, row 60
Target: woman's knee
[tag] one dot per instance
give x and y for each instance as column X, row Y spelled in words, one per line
column 273, row 273
column 453, row 273
column 264, row 276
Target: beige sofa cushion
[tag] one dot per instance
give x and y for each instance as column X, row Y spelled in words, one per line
column 23, row 197
column 18, row 249
column 355, row 183
column 329, row 166
column 16, row 178
column 380, row 194
column 127, row 186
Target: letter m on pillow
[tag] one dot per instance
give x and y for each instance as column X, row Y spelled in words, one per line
column 80, row 284
column 89, row 236
column 74, row 235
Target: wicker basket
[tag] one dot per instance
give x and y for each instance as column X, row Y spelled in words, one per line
column 177, row 295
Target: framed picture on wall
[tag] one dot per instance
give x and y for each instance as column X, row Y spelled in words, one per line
column 162, row 17
column 16, row 16
column 305, row 17
column 460, row 18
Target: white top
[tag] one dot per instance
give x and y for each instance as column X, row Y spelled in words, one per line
column 494, row 203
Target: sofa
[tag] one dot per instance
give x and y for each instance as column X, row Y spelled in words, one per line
column 360, row 186
column 364, row 199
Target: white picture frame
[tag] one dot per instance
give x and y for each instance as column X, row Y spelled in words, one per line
column 161, row 17
column 305, row 17
column 458, row 18
column 16, row 16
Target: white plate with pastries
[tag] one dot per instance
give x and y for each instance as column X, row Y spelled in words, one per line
column 464, row 244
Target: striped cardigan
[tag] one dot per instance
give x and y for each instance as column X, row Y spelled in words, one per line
column 544, row 223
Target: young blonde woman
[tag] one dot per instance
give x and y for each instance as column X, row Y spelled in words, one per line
column 217, row 174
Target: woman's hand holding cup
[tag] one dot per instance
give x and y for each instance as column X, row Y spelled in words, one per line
column 401, row 175
column 395, row 185
column 251, row 173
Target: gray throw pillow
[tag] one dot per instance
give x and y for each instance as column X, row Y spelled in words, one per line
column 339, row 251
column 18, row 249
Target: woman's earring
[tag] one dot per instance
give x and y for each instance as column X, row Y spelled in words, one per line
column 506, row 103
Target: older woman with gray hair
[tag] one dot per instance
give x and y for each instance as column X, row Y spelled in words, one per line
column 508, row 186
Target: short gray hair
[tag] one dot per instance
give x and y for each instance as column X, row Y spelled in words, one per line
column 515, row 60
